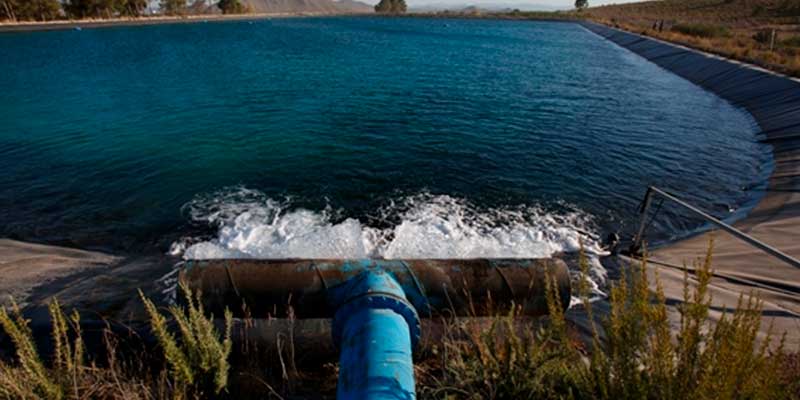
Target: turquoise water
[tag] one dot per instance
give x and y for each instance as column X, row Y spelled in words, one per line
column 353, row 137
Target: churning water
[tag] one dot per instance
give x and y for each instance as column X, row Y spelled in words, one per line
column 353, row 137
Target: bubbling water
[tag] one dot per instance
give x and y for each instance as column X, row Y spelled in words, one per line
column 252, row 225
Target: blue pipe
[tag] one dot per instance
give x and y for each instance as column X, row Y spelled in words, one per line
column 376, row 329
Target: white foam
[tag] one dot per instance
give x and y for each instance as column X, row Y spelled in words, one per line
column 251, row 225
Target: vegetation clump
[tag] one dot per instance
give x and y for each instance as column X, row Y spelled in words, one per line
column 132, row 8
column 391, row 7
column 632, row 354
column 701, row 30
column 198, row 362
column 231, row 7
column 43, row 10
column 80, row 9
column 48, row 10
column 793, row 41
column 173, row 7
column 636, row 350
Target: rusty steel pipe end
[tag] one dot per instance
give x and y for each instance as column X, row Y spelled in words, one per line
column 475, row 287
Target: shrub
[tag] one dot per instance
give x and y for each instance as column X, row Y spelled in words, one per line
column 30, row 379
column 70, row 375
column 764, row 36
column 637, row 357
column 793, row 41
column 231, row 7
column 200, row 360
column 173, row 7
column 701, row 30
column 391, row 7
column 504, row 361
column 41, row 10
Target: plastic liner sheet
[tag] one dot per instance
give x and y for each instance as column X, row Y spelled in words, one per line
column 773, row 100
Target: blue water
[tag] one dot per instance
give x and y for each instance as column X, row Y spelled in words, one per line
column 242, row 135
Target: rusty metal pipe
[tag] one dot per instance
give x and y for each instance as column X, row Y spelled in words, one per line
column 479, row 287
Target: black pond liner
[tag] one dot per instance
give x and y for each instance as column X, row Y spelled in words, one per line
column 773, row 100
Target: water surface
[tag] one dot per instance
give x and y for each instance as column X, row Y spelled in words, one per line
column 345, row 137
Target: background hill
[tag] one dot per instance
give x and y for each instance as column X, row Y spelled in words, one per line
column 485, row 6
column 316, row 6
column 354, row 6
column 288, row 6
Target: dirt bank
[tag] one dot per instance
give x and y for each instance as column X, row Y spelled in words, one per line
column 99, row 284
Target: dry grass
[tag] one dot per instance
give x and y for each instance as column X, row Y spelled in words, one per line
column 70, row 375
column 638, row 356
column 198, row 363
column 739, row 29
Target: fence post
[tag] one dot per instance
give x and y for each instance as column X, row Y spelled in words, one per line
column 772, row 41
column 637, row 240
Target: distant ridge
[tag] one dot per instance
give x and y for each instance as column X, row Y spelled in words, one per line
column 289, row 6
column 354, row 6
column 485, row 7
column 315, row 6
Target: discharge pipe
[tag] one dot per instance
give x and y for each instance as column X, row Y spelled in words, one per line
column 375, row 305
column 376, row 329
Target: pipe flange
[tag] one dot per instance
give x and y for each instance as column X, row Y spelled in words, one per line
column 377, row 300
